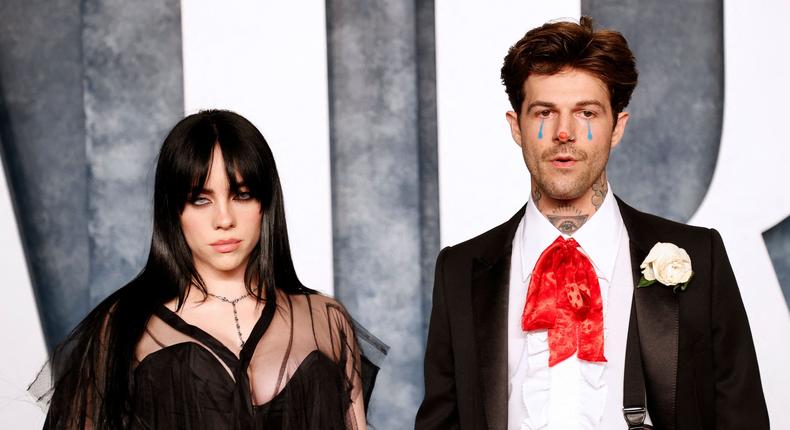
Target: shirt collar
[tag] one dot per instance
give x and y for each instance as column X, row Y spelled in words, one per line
column 599, row 237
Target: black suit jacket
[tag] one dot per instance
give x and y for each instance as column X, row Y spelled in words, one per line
column 699, row 361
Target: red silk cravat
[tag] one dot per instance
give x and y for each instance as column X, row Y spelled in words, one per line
column 564, row 297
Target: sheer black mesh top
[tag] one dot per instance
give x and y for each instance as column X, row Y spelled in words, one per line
column 299, row 369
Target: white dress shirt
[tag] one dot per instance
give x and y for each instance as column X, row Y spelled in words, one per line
column 573, row 394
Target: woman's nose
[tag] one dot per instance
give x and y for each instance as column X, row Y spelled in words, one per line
column 224, row 219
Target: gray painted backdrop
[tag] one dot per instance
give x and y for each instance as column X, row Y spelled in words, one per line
column 676, row 110
column 777, row 240
column 88, row 90
column 385, row 183
column 87, row 94
column 133, row 96
column 42, row 122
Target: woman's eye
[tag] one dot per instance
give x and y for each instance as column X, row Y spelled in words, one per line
column 200, row 201
column 243, row 196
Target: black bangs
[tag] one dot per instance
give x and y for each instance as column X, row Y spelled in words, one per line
column 243, row 148
column 246, row 164
column 192, row 163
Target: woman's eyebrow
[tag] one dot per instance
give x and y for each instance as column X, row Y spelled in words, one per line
column 208, row 191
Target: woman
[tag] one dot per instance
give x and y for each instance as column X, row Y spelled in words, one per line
column 217, row 331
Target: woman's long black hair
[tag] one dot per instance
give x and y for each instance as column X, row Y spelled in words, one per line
column 93, row 367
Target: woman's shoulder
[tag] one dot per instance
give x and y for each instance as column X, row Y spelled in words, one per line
column 319, row 304
column 315, row 298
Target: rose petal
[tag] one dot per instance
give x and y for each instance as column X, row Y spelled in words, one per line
column 669, row 264
column 686, row 276
column 652, row 255
column 648, row 272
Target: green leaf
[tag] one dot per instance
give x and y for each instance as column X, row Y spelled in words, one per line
column 683, row 286
column 645, row 283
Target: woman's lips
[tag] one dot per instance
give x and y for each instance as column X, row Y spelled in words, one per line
column 227, row 245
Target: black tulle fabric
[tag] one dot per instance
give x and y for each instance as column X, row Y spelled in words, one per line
column 299, row 369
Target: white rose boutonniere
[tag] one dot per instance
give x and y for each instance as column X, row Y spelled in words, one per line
column 668, row 264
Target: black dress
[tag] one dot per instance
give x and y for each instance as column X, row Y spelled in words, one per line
column 299, row 369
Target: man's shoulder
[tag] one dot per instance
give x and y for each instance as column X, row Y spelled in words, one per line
column 646, row 227
column 489, row 243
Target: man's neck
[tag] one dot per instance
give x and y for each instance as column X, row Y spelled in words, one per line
column 569, row 215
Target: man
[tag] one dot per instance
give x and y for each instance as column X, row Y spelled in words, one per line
column 581, row 312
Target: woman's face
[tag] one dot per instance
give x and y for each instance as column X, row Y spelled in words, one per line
column 221, row 227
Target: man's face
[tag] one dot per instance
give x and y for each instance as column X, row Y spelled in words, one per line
column 566, row 131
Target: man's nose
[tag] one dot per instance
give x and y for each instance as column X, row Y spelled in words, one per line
column 565, row 129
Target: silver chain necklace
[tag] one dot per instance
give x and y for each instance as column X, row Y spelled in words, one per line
column 235, row 313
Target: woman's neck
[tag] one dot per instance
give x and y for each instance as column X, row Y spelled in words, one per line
column 230, row 290
column 226, row 283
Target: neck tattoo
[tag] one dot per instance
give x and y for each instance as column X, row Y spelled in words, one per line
column 567, row 218
column 235, row 313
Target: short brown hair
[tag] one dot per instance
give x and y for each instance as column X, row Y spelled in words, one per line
column 554, row 46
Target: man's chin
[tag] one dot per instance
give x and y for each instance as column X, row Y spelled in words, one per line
column 560, row 193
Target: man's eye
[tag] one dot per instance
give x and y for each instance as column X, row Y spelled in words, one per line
column 545, row 113
column 588, row 114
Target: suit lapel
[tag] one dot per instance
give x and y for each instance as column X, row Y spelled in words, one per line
column 657, row 310
column 490, row 285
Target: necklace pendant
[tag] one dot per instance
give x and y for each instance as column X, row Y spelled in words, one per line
column 235, row 312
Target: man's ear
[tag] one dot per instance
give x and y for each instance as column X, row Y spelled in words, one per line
column 619, row 128
column 515, row 128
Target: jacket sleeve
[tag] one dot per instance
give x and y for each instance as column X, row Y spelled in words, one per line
column 739, row 395
column 439, row 408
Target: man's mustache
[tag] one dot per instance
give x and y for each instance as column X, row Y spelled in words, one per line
column 563, row 152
